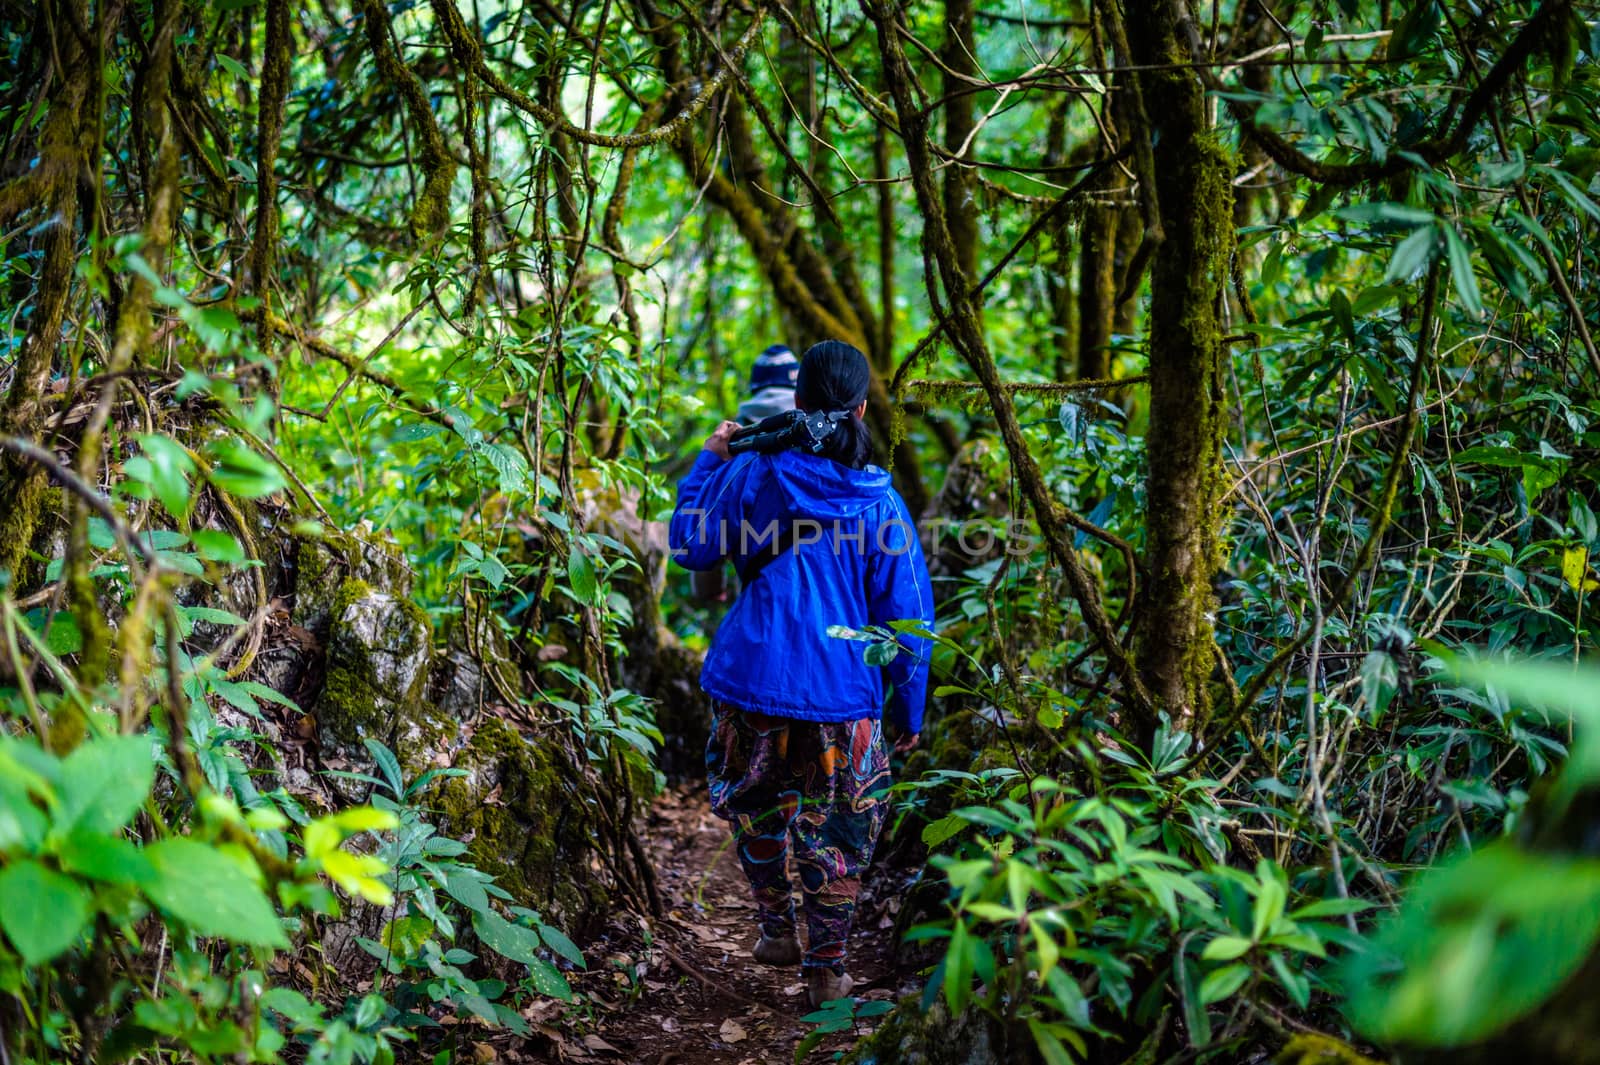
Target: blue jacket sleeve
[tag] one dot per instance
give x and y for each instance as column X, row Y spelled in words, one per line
column 899, row 589
column 705, row 522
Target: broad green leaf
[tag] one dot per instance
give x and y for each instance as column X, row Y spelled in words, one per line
column 216, row 546
column 211, row 615
column 41, row 911
column 212, row 893
column 1226, row 948
column 103, row 783
column 547, row 980
column 558, row 942
column 1412, row 254
column 880, row 652
column 170, row 469
column 1222, row 983
column 63, row 636
column 506, row 939
column 466, row 889
column 22, row 823
column 581, row 577
column 110, row 859
column 1380, row 679
column 387, row 763
column 937, row 832
column 242, row 472
column 405, row 935
column 1461, row 274
column 1330, row 908
column 358, row 874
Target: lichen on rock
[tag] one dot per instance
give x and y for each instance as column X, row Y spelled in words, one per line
column 379, row 647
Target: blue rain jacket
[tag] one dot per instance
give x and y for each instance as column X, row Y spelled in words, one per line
column 856, row 562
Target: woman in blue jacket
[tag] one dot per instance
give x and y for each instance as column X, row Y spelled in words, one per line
column 796, row 750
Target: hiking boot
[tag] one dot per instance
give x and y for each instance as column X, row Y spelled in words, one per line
column 825, row 985
column 777, row 950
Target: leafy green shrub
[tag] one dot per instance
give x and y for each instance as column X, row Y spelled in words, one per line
column 1072, row 913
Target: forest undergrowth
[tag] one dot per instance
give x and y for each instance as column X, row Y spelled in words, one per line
column 1238, row 360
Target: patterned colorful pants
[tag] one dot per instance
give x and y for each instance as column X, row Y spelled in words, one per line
column 820, row 784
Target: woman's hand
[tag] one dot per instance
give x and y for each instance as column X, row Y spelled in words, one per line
column 907, row 742
column 717, row 442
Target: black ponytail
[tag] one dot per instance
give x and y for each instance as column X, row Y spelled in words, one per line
column 834, row 376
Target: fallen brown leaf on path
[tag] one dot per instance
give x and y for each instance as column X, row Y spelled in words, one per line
column 732, row 1031
column 600, row 1046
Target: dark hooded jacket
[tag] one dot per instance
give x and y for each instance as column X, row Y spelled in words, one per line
column 786, row 647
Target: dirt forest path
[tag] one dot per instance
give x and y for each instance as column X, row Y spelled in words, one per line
column 683, row 989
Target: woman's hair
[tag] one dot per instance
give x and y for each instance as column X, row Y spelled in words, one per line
column 835, row 376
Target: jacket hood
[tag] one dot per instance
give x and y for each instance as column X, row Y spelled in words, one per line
column 818, row 487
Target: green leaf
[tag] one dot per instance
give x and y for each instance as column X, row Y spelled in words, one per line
column 547, row 980
column 1270, row 901
column 958, row 963
column 64, row 637
column 212, row 893
column 1380, row 679
column 103, row 783
column 1222, row 983
column 110, row 859
column 233, row 66
column 291, row 1004
column 1412, row 254
column 170, row 468
column 558, row 942
column 1295, row 983
column 466, row 889
column 22, row 823
column 1330, row 908
column 215, row 546
column 1226, row 948
column 1195, row 1017
column 406, row 935
column 271, row 695
column 880, row 652
column 509, row 464
column 242, row 472
column 40, row 910
column 1339, row 304
column 1461, row 274
column 506, row 939
column 936, row 833
column 581, row 577
column 1415, row 29
column 1575, row 194
column 493, row 571
column 211, row 615
column 388, row 763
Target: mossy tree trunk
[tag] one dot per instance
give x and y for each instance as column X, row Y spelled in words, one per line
column 1097, row 286
column 54, row 185
column 1173, row 641
column 960, row 70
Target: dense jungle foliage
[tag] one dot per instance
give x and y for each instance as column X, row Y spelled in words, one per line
column 1241, row 357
